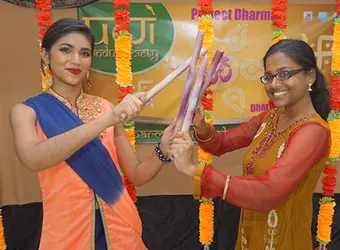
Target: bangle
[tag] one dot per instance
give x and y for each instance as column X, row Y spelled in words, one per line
column 211, row 135
column 160, row 154
column 226, row 187
column 197, row 181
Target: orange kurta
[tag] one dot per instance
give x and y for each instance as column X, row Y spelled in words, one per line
column 69, row 204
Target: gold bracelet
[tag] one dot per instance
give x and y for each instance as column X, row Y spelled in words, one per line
column 211, row 135
column 197, row 181
column 226, row 187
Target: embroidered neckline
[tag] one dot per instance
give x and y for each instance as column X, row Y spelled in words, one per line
column 278, row 114
column 67, row 102
column 271, row 137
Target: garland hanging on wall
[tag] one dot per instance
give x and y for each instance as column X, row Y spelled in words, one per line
column 206, row 209
column 279, row 20
column 2, row 236
column 327, row 202
column 123, row 50
column 44, row 21
column 279, row 14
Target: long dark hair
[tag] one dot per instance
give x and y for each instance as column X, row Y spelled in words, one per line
column 63, row 27
column 302, row 54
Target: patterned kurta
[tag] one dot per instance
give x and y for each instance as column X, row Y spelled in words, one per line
column 69, row 204
column 280, row 173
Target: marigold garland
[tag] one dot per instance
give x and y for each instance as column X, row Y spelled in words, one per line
column 2, row 236
column 206, row 210
column 123, row 49
column 44, row 21
column 207, row 221
column 279, row 9
column 279, row 17
column 327, row 203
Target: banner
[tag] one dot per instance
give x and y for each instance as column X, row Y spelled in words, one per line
column 164, row 36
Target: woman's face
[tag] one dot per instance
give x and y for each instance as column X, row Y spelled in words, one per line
column 293, row 83
column 70, row 59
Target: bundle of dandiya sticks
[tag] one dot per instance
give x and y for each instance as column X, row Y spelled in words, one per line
column 185, row 116
column 123, row 50
column 327, row 202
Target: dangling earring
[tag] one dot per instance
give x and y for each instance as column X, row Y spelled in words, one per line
column 89, row 85
column 47, row 77
column 310, row 87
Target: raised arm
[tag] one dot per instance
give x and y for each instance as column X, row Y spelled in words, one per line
column 139, row 172
column 218, row 143
column 307, row 145
column 38, row 155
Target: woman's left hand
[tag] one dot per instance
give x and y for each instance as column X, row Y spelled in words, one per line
column 181, row 152
column 166, row 139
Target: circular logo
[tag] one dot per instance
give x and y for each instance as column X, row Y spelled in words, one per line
column 152, row 30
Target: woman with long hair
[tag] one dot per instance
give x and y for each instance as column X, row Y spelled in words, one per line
column 76, row 142
column 287, row 150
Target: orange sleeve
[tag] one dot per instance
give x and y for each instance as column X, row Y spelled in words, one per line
column 232, row 139
column 306, row 146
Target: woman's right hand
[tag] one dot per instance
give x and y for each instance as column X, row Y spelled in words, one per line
column 198, row 120
column 181, row 152
column 129, row 107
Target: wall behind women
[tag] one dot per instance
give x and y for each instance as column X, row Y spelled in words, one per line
column 20, row 79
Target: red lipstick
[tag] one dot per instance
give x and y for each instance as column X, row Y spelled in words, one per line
column 74, row 71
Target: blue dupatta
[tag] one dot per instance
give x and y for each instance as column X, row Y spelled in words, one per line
column 92, row 162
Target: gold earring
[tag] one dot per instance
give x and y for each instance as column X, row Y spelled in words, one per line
column 47, row 76
column 89, row 84
column 310, row 87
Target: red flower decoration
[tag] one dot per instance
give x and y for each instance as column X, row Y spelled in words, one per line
column 123, row 91
column 335, row 81
column 44, row 23
column 330, row 170
column 320, row 248
column 122, row 17
column 279, row 7
column 121, row 4
column 279, row 13
column 205, row 7
column 44, row 15
column 122, row 27
column 335, row 96
column 279, row 23
column 328, row 185
column 42, row 33
column 207, row 103
column 122, row 20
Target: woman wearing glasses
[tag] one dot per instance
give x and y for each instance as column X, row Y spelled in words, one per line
column 288, row 148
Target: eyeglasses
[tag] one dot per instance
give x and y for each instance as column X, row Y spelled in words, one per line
column 281, row 76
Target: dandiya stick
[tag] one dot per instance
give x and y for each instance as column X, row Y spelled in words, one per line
column 194, row 98
column 189, row 81
column 211, row 71
column 172, row 76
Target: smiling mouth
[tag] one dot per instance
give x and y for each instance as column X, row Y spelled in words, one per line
column 74, row 71
column 280, row 93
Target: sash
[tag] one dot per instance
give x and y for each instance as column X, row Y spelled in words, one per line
column 92, row 162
